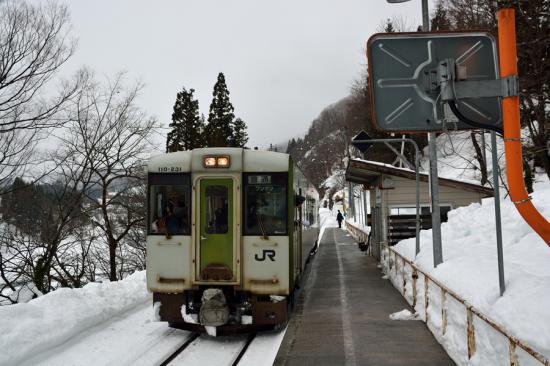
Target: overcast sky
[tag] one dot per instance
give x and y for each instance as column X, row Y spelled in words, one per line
column 284, row 60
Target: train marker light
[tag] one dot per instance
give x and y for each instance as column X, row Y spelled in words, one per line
column 216, row 161
column 210, row 162
column 223, row 161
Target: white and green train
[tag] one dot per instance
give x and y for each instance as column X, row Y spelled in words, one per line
column 228, row 236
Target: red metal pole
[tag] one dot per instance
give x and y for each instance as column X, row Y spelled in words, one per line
column 512, row 129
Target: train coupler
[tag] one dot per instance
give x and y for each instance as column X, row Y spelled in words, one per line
column 214, row 310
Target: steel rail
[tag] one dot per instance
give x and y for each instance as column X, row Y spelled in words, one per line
column 193, row 337
column 177, row 352
column 249, row 340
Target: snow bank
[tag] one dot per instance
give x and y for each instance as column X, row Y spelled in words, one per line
column 48, row 321
column 470, row 269
column 326, row 220
column 404, row 314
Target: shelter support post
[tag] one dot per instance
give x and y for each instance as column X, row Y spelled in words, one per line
column 434, row 196
column 365, row 206
column 416, row 168
column 497, row 213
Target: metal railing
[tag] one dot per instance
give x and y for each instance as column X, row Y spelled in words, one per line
column 471, row 311
column 357, row 233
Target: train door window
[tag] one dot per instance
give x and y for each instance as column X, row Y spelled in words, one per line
column 265, row 204
column 216, row 205
column 169, row 204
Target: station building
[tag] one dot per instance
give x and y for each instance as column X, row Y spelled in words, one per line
column 392, row 197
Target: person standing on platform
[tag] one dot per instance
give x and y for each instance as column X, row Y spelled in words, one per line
column 339, row 218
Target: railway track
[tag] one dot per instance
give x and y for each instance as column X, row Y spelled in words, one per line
column 213, row 351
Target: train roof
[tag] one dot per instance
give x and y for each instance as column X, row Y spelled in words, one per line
column 241, row 160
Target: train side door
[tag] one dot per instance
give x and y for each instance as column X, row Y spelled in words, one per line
column 215, row 239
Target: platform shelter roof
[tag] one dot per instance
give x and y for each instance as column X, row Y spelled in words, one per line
column 368, row 172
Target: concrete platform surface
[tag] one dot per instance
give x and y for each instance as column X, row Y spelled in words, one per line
column 342, row 316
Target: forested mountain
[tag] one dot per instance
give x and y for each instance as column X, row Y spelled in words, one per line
column 321, row 151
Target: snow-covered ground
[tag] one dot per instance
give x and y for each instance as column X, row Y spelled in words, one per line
column 470, row 269
column 110, row 323
column 327, row 219
column 130, row 338
column 50, row 320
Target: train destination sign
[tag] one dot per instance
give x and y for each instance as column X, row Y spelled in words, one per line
column 405, row 75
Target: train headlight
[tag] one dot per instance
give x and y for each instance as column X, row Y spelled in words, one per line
column 210, row 162
column 223, row 161
column 216, row 161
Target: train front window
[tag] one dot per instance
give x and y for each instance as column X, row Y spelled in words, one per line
column 265, row 204
column 169, row 204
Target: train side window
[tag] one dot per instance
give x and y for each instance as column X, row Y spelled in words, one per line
column 265, row 204
column 169, row 204
column 217, row 210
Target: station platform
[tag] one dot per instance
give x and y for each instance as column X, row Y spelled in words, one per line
column 342, row 315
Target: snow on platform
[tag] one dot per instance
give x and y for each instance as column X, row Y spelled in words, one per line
column 470, row 269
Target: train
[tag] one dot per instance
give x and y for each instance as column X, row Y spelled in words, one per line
column 229, row 234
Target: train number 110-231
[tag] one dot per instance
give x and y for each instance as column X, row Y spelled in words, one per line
column 172, row 169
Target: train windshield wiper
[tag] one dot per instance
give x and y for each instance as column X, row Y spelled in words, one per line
column 262, row 227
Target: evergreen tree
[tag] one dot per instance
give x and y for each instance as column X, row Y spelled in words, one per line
column 240, row 136
column 291, row 146
column 440, row 19
column 25, row 206
column 219, row 130
column 187, row 126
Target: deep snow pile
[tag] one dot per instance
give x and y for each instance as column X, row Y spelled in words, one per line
column 47, row 321
column 470, row 269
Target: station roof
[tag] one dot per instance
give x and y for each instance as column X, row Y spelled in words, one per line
column 367, row 172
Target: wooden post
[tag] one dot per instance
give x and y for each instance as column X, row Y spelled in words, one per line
column 471, row 333
column 443, row 312
column 513, row 355
column 414, row 278
column 426, row 302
